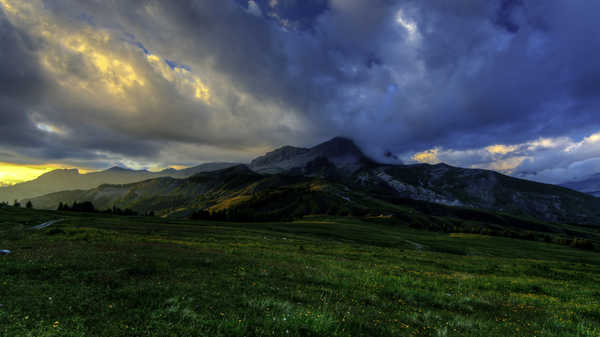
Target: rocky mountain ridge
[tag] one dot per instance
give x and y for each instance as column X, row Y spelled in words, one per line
column 336, row 175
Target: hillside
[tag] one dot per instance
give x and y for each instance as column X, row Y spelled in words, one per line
column 485, row 189
column 71, row 179
column 163, row 195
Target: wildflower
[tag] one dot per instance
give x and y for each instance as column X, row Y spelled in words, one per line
column 55, row 325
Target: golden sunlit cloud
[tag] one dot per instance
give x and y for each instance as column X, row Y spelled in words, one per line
column 182, row 78
column 92, row 45
column 8, row 7
column 108, row 61
column 589, row 141
column 116, row 74
column 11, row 174
column 546, row 143
column 501, row 149
column 429, row 156
column 593, row 138
column 504, row 165
column 49, row 128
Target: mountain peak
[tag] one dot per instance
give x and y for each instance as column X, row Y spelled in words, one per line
column 118, row 169
column 340, row 140
column 341, row 152
column 338, row 146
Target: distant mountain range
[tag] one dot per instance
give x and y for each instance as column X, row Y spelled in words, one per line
column 589, row 185
column 71, row 179
column 335, row 177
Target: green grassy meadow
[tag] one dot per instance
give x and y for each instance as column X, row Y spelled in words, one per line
column 103, row 275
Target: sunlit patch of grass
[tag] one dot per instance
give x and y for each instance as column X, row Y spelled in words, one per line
column 468, row 236
column 230, row 202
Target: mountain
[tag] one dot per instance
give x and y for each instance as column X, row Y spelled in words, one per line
column 165, row 194
column 589, row 185
column 341, row 152
column 337, row 178
column 71, row 179
column 483, row 189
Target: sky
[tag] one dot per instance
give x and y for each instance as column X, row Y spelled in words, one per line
column 508, row 85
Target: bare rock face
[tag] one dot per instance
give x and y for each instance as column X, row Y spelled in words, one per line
column 416, row 192
column 281, row 159
column 483, row 189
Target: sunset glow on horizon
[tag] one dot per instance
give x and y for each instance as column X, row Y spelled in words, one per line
column 11, row 174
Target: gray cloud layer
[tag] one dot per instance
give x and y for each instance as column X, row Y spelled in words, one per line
column 403, row 76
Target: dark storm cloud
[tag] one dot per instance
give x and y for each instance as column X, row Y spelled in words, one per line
column 504, row 15
column 480, row 83
column 20, row 83
column 399, row 76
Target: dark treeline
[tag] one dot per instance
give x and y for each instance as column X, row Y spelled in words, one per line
column 85, row 206
column 88, row 207
column 16, row 204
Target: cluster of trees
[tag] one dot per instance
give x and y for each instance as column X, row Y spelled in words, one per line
column 17, row 204
column 85, row 206
column 88, row 207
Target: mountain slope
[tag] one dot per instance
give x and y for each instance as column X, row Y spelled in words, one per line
column 484, row 189
column 164, row 194
column 71, row 179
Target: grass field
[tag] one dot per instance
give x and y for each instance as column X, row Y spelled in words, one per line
column 102, row 275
